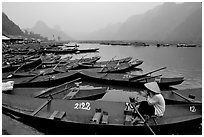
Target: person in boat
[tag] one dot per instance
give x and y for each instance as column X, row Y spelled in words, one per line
column 154, row 104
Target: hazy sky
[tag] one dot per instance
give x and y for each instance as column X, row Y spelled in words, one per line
column 74, row 18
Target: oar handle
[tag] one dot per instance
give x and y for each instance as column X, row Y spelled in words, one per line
column 53, row 88
column 140, row 76
column 19, row 68
column 174, row 92
column 107, row 64
column 33, row 78
column 155, row 70
column 57, row 64
column 147, row 78
column 36, row 67
column 143, row 119
column 41, row 107
column 82, row 58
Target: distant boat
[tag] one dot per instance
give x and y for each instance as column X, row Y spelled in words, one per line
column 87, row 50
column 68, row 45
column 186, row 45
column 191, row 45
column 165, row 45
column 158, row 45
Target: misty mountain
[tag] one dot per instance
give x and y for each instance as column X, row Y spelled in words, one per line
column 166, row 22
column 51, row 33
column 9, row 27
column 106, row 33
column 190, row 29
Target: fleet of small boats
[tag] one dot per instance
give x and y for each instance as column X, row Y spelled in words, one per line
column 45, row 94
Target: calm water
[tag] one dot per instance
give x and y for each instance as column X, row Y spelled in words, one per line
column 185, row 62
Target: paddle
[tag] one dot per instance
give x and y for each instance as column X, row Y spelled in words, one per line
column 23, row 65
column 81, row 58
column 187, row 99
column 54, row 68
column 35, row 68
column 42, row 106
column 143, row 119
column 49, row 89
column 55, row 93
column 140, row 76
column 107, row 64
column 31, row 79
column 16, row 70
column 57, row 65
column 147, row 78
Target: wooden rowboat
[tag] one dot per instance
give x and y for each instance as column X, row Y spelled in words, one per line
column 123, row 60
column 26, row 65
column 41, row 80
column 122, row 67
column 53, row 116
column 123, row 79
column 183, row 96
column 74, row 64
column 59, row 51
column 87, row 50
column 67, row 91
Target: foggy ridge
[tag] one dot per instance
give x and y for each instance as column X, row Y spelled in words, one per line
column 167, row 22
column 9, row 27
column 51, row 33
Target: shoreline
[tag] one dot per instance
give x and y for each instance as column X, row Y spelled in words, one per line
column 11, row 126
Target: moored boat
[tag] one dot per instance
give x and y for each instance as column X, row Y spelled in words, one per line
column 124, row 79
column 96, row 117
column 87, row 50
column 41, row 80
column 183, row 96
column 120, row 67
column 68, row 91
column 112, row 61
column 25, row 65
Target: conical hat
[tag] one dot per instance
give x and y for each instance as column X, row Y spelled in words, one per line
column 153, row 86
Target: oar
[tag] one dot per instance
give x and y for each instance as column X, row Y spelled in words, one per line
column 57, row 64
column 107, row 64
column 76, row 62
column 81, row 58
column 41, row 107
column 35, row 68
column 143, row 119
column 53, row 69
column 49, row 89
column 55, row 93
column 31, row 79
column 70, row 64
column 187, row 99
column 16, row 70
column 140, row 76
column 147, row 78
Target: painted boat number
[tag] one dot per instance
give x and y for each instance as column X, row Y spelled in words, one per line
column 192, row 109
column 82, row 105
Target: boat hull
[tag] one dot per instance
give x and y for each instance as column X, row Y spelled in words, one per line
column 45, row 81
column 123, row 80
column 77, row 119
